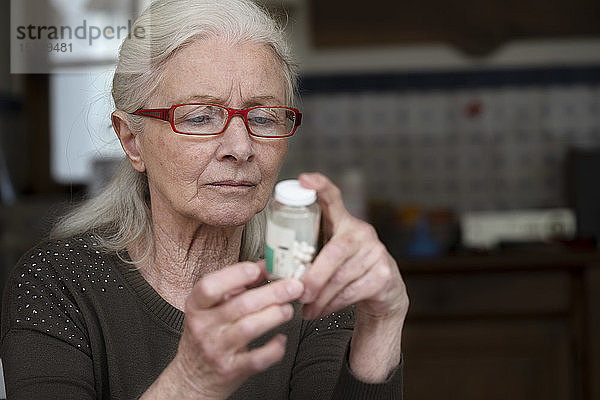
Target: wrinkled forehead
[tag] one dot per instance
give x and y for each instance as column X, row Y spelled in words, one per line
column 233, row 74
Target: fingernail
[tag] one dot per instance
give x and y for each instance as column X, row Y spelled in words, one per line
column 252, row 270
column 294, row 287
column 307, row 177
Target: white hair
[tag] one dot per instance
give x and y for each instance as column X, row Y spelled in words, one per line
column 120, row 215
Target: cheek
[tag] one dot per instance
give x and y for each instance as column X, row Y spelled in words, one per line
column 169, row 160
column 273, row 157
column 271, row 160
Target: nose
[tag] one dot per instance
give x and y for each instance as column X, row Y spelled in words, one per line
column 236, row 144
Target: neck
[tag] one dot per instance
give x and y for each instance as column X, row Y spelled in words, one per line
column 179, row 259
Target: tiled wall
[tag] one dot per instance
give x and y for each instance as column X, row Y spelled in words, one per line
column 499, row 147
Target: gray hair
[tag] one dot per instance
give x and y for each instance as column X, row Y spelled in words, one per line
column 120, row 215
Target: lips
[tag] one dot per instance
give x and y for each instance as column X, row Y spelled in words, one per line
column 232, row 184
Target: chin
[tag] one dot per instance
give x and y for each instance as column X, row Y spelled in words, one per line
column 230, row 217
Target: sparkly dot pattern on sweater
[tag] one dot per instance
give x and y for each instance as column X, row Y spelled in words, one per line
column 50, row 277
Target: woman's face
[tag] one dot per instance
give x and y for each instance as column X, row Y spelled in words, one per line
column 218, row 180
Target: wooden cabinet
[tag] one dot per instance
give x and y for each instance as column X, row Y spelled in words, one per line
column 512, row 326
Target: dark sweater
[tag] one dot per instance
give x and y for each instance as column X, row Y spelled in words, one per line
column 78, row 323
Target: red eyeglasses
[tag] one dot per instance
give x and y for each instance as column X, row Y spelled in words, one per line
column 205, row 119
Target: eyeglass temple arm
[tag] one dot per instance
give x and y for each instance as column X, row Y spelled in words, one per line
column 160, row 113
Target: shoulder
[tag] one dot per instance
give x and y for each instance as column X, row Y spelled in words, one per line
column 63, row 256
column 45, row 289
column 61, row 260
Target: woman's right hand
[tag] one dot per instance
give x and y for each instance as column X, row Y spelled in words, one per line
column 224, row 313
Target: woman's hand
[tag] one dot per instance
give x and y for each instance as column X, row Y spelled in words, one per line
column 224, row 313
column 354, row 267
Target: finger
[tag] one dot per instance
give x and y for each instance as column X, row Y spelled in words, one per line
column 351, row 270
column 278, row 292
column 329, row 197
column 332, row 256
column 240, row 333
column 259, row 359
column 263, row 276
column 354, row 236
column 369, row 286
column 213, row 288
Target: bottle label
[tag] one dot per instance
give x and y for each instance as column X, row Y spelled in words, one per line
column 278, row 251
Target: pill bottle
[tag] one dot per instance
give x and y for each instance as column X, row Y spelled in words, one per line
column 293, row 218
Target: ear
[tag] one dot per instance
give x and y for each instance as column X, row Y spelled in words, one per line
column 129, row 140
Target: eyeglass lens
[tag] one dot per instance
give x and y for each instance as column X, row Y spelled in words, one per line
column 204, row 119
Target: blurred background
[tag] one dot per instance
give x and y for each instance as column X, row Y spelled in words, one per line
column 467, row 132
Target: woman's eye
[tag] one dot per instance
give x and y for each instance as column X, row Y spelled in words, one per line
column 262, row 120
column 198, row 119
column 194, row 115
column 263, row 117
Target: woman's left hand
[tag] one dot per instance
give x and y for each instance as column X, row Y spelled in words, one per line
column 354, row 267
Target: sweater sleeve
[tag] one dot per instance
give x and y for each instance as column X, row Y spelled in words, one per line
column 322, row 371
column 37, row 366
column 348, row 387
column 44, row 345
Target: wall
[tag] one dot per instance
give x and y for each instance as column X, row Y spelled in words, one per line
column 468, row 141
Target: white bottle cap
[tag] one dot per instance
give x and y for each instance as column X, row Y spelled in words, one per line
column 291, row 193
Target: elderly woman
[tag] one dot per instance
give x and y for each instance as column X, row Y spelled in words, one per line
column 156, row 288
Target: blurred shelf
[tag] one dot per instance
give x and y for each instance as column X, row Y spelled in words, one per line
column 508, row 260
column 518, row 324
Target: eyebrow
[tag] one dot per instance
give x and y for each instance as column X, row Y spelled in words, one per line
column 252, row 101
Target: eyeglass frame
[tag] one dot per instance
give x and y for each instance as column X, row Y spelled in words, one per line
column 167, row 114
